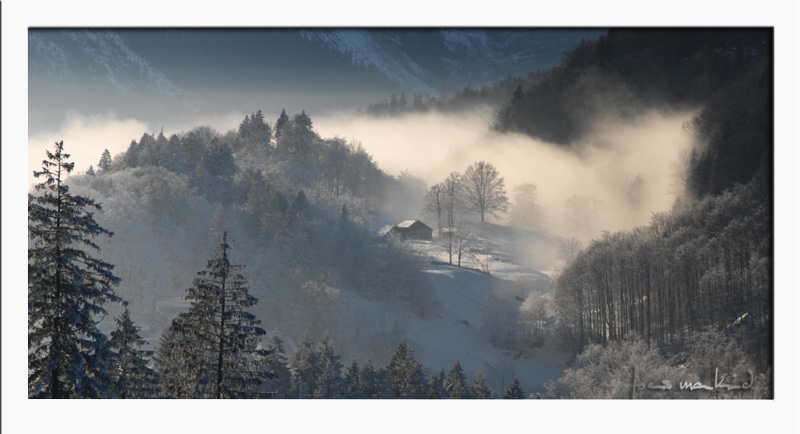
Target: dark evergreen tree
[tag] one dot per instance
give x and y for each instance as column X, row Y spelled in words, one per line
column 329, row 381
column 276, row 364
column 297, row 136
column 173, row 158
column 224, row 336
column 280, row 124
column 149, row 152
column 254, row 131
column 514, row 391
column 67, row 287
column 305, row 370
column 405, row 373
column 105, row 161
column 479, row 388
column 382, row 386
column 352, row 386
column 436, row 388
column 456, row 383
column 131, row 158
column 90, row 171
column 130, row 371
column 218, row 160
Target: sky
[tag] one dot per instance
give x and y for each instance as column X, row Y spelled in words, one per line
column 19, row 15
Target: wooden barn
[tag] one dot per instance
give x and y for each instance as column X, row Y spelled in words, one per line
column 407, row 230
column 414, row 230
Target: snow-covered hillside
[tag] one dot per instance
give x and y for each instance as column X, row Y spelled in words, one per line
column 456, row 332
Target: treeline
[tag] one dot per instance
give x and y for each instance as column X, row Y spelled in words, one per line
column 629, row 69
column 708, row 265
column 493, row 95
column 290, row 151
column 213, row 350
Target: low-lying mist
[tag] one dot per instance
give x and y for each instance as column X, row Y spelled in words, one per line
column 602, row 166
column 86, row 136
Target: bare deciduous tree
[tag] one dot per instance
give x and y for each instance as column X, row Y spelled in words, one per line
column 483, row 190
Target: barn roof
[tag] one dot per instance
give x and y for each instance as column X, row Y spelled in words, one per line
column 409, row 223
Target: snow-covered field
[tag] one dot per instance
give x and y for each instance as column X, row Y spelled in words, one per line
column 454, row 333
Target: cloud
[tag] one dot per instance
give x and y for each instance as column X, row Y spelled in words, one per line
column 434, row 144
column 85, row 138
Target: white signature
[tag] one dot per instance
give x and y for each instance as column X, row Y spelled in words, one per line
column 719, row 383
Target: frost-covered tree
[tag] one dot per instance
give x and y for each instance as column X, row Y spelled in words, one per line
column 352, row 385
column 105, row 161
column 329, row 381
column 67, row 288
column 479, row 388
column 514, row 391
column 375, row 383
column 131, row 156
column 433, row 205
column 130, row 371
column 305, row 369
column 484, row 190
column 405, row 373
column 449, row 197
column 176, row 364
column 223, row 334
column 297, row 136
column 456, row 383
column 280, row 384
column 436, row 388
column 255, row 131
column 280, row 124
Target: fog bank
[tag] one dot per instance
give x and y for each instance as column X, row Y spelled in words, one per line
column 603, row 164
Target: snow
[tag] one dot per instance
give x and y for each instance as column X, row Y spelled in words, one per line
column 367, row 50
column 454, row 333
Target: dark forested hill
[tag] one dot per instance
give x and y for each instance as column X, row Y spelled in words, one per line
column 628, row 69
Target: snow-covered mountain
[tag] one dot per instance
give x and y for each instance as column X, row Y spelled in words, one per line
column 160, row 75
column 102, row 55
column 433, row 61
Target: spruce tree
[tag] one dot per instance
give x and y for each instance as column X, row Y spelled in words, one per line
column 104, row 164
column 281, row 383
column 436, row 388
column 514, row 391
column 405, row 373
column 223, row 336
column 280, row 124
column 367, row 381
column 132, row 375
column 479, row 388
column 329, row 377
column 382, row 384
column 176, row 364
column 455, row 383
column 352, row 386
column 67, row 287
column 305, row 369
